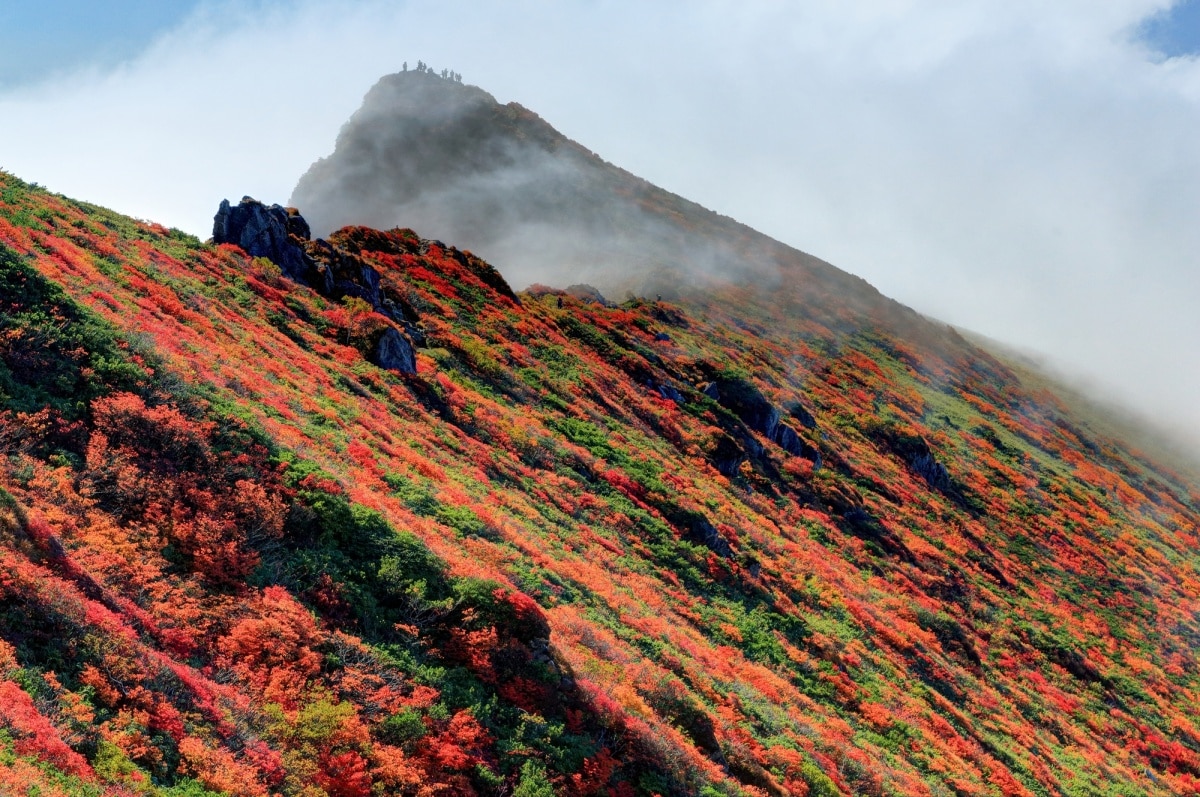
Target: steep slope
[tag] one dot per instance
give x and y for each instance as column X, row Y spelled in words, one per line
column 777, row 550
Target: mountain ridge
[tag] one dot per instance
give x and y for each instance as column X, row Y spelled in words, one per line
column 417, row 136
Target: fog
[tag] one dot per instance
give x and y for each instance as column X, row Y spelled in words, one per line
column 1026, row 171
column 447, row 160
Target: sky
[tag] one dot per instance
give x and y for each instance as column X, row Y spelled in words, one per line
column 1030, row 171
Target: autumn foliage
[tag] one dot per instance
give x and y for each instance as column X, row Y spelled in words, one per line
column 737, row 543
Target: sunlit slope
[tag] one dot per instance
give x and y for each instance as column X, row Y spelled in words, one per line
column 782, row 544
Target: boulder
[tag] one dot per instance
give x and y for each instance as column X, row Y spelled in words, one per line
column 265, row 232
column 786, row 438
column 395, row 353
column 802, row 416
column 744, row 400
column 671, row 394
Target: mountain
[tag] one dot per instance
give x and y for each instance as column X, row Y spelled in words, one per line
column 350, row 516
column 447, row 159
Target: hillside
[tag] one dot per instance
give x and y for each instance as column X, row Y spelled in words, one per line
column 752, row 539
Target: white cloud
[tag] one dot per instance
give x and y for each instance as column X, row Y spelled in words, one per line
column 1020, row 168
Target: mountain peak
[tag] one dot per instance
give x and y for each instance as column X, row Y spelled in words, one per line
column 449, row 160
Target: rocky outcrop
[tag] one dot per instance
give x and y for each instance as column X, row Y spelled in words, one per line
column 666, row 391
column 330, row 268
column 395, row 353
column 274, row 232
column 727, row 456
column 697, row 528
column 488, row 275
column 915, row 452
column 751, row 407
column 802, row 416
column 932, row 471
column 588, row 294
column 745, row 401
column 787, row 438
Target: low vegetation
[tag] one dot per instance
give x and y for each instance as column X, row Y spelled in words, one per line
column 237, row 558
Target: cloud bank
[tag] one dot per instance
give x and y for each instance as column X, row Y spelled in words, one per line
column 1026, row 171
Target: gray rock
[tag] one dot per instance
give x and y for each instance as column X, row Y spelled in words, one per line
column 671, row 394
column 297, row 226
column 745, row 401
column 787, row 439
column 802, row 416
column 932, row 471
column 728, row 456
column 264, row 232
column 395, row 353
column 695, row 527
column 370, row 283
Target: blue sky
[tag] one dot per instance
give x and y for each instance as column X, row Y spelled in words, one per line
column 1175, row 32
column 39, row 40
column 1029, row 170
column 46, row 36
column 53, row 36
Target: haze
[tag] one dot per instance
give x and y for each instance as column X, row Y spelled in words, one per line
column 1031, row 173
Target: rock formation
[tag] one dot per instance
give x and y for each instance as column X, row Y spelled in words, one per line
column 283, row 236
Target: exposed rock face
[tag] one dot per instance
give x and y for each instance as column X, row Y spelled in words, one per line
column 727, row 456
column 697, row 528
column 395, row 353
column 745, row 401
column 332, row 269
column 753, row 413
column 705, row 533
column 671, row 394
column 362, row 282
column 787, row 439
column 265, row 232
column 917, row 455
column 802, row 416
column 932, row 471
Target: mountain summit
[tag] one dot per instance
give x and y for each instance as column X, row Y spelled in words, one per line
column 447, row 159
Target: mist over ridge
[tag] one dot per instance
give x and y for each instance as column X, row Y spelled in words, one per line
column 449, row 161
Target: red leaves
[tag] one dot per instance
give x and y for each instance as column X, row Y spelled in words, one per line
column 153, row 463
column 344, row 775
column 35, row 735
column 597, row 771
column 273, row 650
column 527, row 615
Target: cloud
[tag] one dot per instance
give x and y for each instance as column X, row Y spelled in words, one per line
column 1025, row 170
